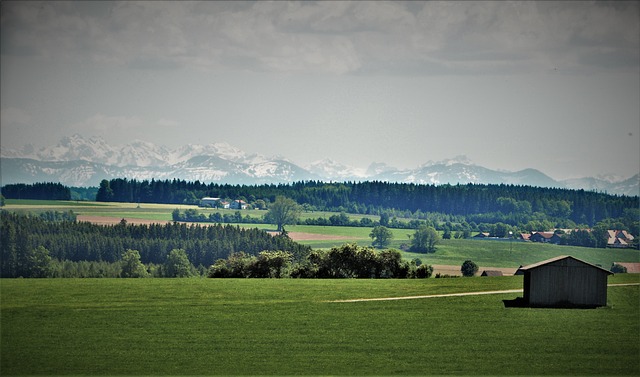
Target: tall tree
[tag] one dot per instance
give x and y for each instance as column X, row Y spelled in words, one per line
column 381, row 236
column 105, row 193
column 178, row 265
column 468, row 268
column 425, row 239
column 36, row 263
column 132, row 267
column 284, row 211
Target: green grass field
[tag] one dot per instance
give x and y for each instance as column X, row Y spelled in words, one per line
column 288, row 327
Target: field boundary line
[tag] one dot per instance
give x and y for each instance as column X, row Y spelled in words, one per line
column 453, row 294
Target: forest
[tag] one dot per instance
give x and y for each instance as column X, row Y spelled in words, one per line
column 27, row 239
column 511, row 204
column 526, row 207
column 36, row 191
column 479, row 203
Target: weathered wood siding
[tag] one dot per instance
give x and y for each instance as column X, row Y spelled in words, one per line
column 566, row 282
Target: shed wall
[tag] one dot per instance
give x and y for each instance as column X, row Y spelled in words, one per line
column 566, row 282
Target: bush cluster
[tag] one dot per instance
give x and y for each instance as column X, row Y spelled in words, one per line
column 346, row 261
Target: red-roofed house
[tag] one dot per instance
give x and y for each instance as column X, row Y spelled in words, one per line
column 619, row 238
column 549, row 237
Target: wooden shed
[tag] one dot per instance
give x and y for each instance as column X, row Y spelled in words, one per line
column 565, row 281
column 491, row 273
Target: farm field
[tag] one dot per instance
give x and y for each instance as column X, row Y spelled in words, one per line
column 450, row 255
column 290, row 327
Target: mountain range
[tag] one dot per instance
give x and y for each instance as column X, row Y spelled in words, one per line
column 83, row 162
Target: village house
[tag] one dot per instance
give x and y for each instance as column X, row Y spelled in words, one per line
column 525, row 236
column 219, row 203
column 238, row 204
column 619, row 238
column 546, row 237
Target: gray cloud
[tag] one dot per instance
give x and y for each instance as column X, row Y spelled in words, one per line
column 328, row 37
column 400, row 82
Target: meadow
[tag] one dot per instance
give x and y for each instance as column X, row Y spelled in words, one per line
column 499, row 254
column 291, row 327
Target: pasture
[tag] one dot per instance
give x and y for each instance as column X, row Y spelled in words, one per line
column 487, row 254
column 291, row 327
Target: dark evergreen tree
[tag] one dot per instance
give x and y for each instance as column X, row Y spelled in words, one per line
column 105, row 193
column 37, row 191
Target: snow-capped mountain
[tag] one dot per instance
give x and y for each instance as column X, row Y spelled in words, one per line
column 335, row 171
column 222, row 150
column 378, row 168
column 78, row 161
column 630, row 186
column 463, row 172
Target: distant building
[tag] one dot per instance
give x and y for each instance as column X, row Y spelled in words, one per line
column 209, row 202
column 481, row 235
column 238, row 204
column 619, row 238
column 565, row 281
column 547, row 237
column 491, row 273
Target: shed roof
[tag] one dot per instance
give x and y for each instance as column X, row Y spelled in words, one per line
column 491, row 273
column 551, row 260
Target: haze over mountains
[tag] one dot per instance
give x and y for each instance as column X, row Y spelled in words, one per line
column 79, row 161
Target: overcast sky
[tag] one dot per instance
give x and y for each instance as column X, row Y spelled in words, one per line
column 548, row 85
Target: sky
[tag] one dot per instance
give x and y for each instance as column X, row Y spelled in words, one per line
column 553, row 86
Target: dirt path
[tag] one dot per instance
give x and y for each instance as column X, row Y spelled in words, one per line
column 453, row 294
column 431, row 296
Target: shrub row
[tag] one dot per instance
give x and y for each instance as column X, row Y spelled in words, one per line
column 346, row 261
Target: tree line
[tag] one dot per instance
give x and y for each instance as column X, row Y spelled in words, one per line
column 36, row 191
column 25, row 238
column 477, row 202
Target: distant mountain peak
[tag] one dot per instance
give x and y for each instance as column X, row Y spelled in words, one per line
column 333, row 170
column 460, row 159
column 79, row 161
column 377, row 168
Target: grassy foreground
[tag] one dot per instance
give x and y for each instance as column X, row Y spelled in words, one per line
column 288, row 327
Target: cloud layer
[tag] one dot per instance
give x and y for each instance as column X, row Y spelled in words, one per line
column 329, row 37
